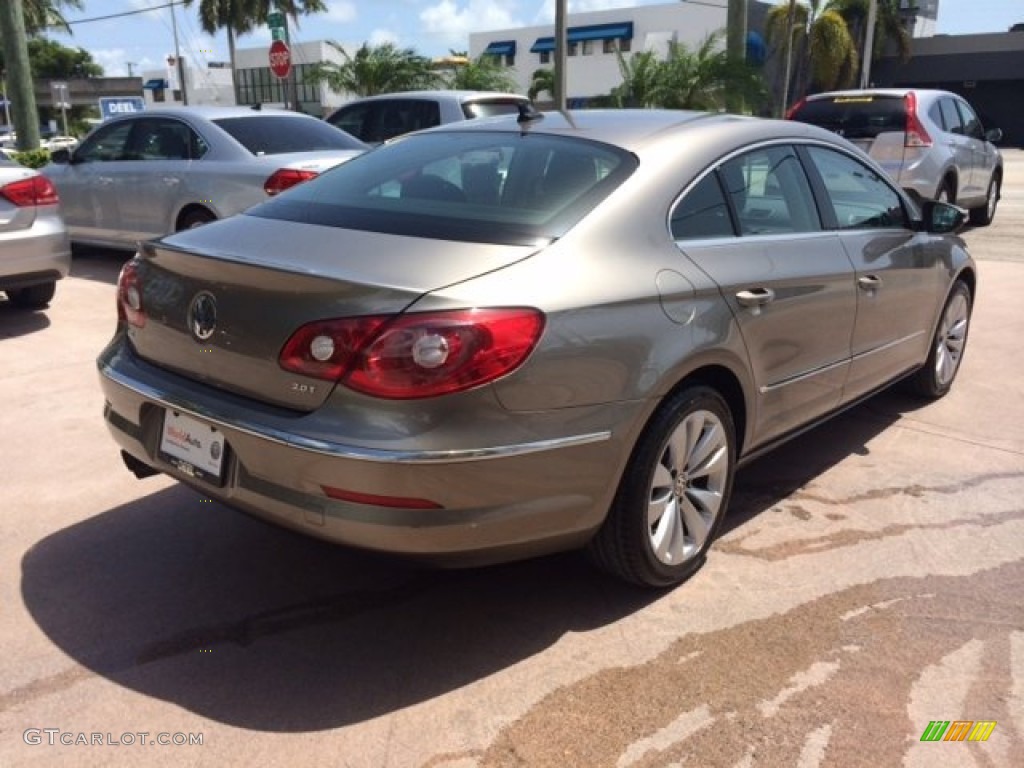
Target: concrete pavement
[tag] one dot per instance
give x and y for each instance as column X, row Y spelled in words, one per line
column 869, row 582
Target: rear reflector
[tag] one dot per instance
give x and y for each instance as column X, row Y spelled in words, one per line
column 795, row 108
column 35, row 190
column 373, row 500
column 129, row 296
column 284, row 178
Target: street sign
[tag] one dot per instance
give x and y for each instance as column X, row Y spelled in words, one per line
column 280, row 59
column 112, row 106
column 59, row 95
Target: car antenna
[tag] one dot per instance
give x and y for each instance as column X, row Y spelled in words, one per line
column 527, row 114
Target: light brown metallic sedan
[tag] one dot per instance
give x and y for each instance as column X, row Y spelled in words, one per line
column 514, row 336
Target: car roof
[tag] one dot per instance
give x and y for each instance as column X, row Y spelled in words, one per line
column 895, row 92
column 456, row 96
column 634, row 129
column 214, row 113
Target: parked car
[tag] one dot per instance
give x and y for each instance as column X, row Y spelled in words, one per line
column 931, row 142
column 34, row 248
column 504, row 337
column 59, row 142
column 376, row 119
column 149, row 173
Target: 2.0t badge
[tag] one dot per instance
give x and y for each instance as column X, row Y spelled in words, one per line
column 202, row 316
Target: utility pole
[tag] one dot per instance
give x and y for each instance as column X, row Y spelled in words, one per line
column 177, row 57
column 560, row 57
column 19, row 75
column 790, row 18
column 129, row 64
column 736, row 45
column 869, row 45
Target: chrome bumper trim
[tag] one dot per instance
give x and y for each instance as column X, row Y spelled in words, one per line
column 338, row 450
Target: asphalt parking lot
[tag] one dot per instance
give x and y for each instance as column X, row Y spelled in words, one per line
column 868, row 582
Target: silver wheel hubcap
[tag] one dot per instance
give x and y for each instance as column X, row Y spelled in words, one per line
column 686, row 491
column 949, row 343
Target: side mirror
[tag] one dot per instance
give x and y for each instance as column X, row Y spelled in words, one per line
column 942, row 218
column 994, row 135
column 60, row 156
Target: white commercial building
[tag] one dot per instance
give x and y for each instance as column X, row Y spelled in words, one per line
column 203, row 87
column 258, row 85
column 594, row 37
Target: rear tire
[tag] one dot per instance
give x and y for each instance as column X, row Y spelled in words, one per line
column 673, row 495
column 935, row 378
column 34, row 296
column 196, row 218
column 982, row 215
column 946, row 192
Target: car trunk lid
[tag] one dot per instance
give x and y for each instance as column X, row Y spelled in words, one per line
column 221, row 301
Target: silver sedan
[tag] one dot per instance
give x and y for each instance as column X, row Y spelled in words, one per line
column 144, row 175
column 507, row 337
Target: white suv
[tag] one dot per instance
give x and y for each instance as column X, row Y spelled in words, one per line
column 931, row 143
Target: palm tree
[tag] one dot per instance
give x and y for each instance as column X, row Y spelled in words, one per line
column 485, row 73
column 541, row 81
column 46, row 14
column 376, row 69
column 239, row 17
column 640, row 80
column 888, row 25
column 706, row 77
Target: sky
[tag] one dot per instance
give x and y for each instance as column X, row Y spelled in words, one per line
column 142, row 42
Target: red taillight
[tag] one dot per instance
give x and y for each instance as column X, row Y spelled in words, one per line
column 129, row 296
column 415, row 355
column 284, row 178
column 916, row 135
column 35, row 190
column 795, row 108
column 400, row 502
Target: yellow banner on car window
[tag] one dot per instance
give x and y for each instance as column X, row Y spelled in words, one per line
column 852, row 99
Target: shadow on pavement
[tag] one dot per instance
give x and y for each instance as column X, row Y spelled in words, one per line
column 99, row 264
column 180, row 598
column 21, row 322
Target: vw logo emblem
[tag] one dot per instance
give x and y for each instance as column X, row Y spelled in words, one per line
column 202, row 316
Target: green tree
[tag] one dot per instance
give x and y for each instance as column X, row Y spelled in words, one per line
column 239, row 17
column 542, row 81
column 485, row 73
column 888, row 25
column 51, row 60
column 376, row 69
column 641, row 80
column 47, row 14
column 706, row 77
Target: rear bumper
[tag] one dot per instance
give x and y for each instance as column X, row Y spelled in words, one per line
column 32, row 256
column 499, row 501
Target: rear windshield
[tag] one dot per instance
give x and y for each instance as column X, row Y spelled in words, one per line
column 281, row 134
column 855, row 117
column 490, row 107
column 512, row 188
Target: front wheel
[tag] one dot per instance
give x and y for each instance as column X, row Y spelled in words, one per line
column 33, row 297
column 982, row 216
column 936, row 377
column 673, row 494
column 195, row 218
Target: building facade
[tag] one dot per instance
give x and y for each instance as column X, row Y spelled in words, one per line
column 594, row 38
column 258, row 85
column 208, row 87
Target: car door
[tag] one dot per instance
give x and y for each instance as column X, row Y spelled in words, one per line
column 154, row 181
column 787, row 281
column 899, row 281
column 959, row 145
column 86, row 184
column 983, row 154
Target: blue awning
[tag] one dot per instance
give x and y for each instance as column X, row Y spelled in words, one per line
column 620, row 31
column 155, row 85
column 501, row 48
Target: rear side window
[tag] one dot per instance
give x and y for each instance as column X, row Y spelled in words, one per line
column 471, row 186
column 703, row 212
column 950, row 117
column 377, row 121
column 855, row 117
column 278, row 134
column 770, row 192
column 490, row 108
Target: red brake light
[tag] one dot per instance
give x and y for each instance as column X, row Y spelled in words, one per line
column 283, row 178
column 129, row 296
column 35, row 190
column 399, row 502
column 916, row 135
column 416, row 355
column 795, row 108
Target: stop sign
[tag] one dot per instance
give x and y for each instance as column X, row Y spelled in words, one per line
column 280, row 59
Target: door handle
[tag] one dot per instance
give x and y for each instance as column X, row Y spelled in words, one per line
column 869, row 282
column 756, row 297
